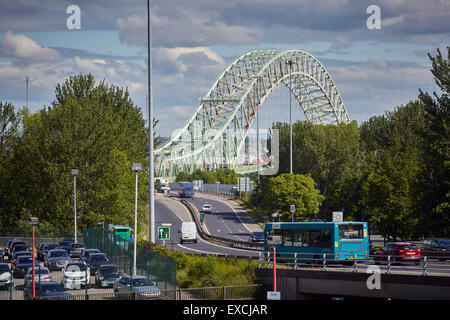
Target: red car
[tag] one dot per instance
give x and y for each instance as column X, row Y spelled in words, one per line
column 399, row 251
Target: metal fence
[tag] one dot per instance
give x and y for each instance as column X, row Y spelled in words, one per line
column 246, row 292
column 160, row 269
column 424, row 265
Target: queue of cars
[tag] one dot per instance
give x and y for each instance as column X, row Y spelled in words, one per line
column 77, row 264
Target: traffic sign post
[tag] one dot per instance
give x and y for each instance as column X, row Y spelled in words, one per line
column 164, row 232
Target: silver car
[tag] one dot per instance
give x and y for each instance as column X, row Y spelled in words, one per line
column 56, row 259
column 139, row 286
column 41, row 274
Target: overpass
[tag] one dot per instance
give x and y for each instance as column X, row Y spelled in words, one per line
column 216, row 133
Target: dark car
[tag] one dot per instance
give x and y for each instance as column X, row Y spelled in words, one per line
column 95, row 260
column 436, row 247
column 46, row 290
column 13, row 244
column 56, row 259
column 398, row 251
column 65, row 244
column 5, row 276
column 6, row 249
column 22, row 265
column 106, row 274
column 76, row 249
column 18, row 248
column 257, row 237
column 86, row 252
column 42, row 252
column 16, row 255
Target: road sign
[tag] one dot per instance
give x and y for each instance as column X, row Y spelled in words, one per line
column 243, row 184
column 338, row 216
column 273, row 295
column 292, row 208
column 164, row 233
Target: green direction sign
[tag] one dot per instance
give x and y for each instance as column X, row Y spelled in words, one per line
column 163, row 233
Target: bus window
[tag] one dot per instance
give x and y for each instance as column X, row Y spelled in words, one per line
column 347, row 231
column 298, row 239
column 287, row 238
column 317, row 238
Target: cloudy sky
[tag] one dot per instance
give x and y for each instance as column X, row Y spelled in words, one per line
column 195, row 40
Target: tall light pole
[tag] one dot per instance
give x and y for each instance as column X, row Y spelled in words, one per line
column 290, row 117
column 27, row 79
column 136, row 167
column 74, row 173
column 151, row 206
column 33, row 221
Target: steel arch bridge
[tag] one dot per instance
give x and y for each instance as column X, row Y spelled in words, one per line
column 216, row 132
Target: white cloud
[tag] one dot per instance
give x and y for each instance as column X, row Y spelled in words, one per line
column 26, row 49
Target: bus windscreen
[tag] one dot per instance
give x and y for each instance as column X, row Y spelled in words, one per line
column 351, row 231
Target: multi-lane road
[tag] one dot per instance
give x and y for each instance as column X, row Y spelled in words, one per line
column 227, row 220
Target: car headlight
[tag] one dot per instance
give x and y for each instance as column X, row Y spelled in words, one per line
column 101, row 278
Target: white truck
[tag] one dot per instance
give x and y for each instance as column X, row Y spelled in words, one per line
column 163, row 185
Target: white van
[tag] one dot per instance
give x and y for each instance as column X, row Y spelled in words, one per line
column 188, row 232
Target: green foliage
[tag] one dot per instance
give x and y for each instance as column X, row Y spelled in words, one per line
column 224, row 176
column 299, row 190
column 435, row 170
column 90, row 126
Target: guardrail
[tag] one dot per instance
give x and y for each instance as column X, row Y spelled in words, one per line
column 294, row 260
column 207, row 236
column 244, row 292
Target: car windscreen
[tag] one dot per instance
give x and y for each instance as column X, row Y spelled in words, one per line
column 39, row 271
column 53, row 287
column 98, row 258
column 408, row 246
column 77, row 245
column 444, row 242
column 76, row 267
column 3, row 268
column 109, row 269
column 26, row 259
column 49, row 247
column 59, row 253
column 20, row 248
column 142, row 282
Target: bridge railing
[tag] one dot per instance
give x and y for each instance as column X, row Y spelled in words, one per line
column 423, row 265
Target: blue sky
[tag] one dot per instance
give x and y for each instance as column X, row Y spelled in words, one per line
column 195, row 40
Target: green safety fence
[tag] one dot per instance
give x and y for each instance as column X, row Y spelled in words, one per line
column 160, row 269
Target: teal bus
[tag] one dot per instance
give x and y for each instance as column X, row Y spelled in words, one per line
column 120, row 233
column 339, row 241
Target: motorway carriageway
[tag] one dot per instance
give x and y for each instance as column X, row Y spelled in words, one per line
column 171, row 211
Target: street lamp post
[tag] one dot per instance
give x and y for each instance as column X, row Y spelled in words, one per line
column 136, row 167
column 151, row 183
column 27, row 79
column 290, row 117
column 33, row 221
column 74, row 173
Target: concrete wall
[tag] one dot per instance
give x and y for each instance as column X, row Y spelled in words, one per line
column 303, row 284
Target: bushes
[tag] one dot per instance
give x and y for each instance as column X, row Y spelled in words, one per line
column 196, row 271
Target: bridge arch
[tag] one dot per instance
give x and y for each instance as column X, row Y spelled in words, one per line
column 215, row 134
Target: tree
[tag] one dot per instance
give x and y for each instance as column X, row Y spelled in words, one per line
column 97, row 129
column 292, row 189
column 329, row 153
column 389, row 188
column 435, row 171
